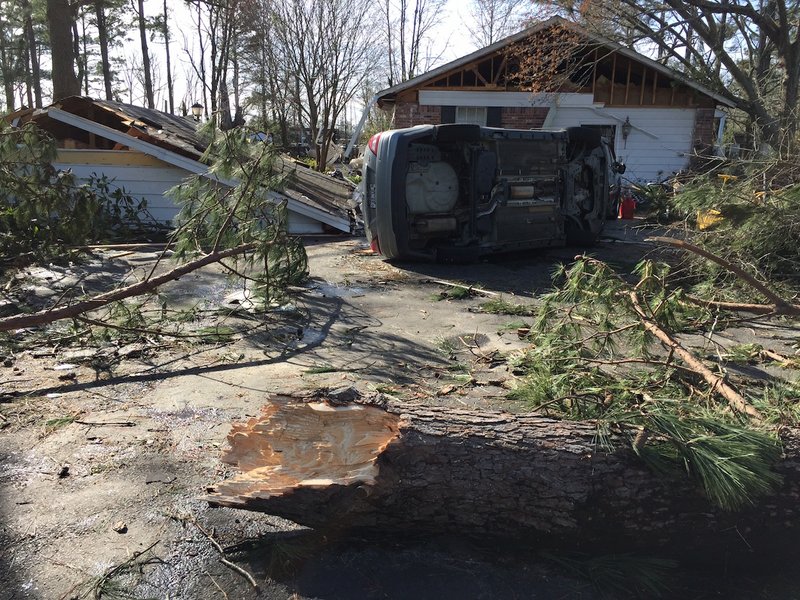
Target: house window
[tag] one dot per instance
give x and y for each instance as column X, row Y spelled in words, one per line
column 473, row 115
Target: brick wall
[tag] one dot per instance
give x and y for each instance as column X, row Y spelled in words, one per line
column 704, row 134
column 408, row 114
column 523, row 117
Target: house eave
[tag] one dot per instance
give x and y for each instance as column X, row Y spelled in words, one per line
column 388, row 96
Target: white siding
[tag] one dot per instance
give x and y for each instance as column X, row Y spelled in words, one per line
column 302, row 224
column 150, row 183
column 145, row 182
column 659, row 144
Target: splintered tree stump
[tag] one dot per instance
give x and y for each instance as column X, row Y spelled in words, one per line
column 383, row 465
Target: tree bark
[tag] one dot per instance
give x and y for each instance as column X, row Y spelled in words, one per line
column 383, row 466
column 59, row 21
column 102, row 34
column 170, row 87
column 33, row 54
column 6, row 69
column 148, row 77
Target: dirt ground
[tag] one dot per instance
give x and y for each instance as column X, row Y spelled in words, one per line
column 104, row 457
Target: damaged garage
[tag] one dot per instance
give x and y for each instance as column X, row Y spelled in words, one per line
column 145, row 152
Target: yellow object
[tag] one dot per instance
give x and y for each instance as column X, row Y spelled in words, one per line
column 708, row 218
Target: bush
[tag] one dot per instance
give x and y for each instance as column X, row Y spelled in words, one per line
column 43, row 210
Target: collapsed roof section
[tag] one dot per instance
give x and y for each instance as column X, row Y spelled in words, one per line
column 79, row 122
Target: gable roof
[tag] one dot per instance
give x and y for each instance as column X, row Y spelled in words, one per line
column 421, row 80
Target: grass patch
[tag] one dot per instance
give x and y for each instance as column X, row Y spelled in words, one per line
column 454, row 293
column 59, row 422
column 446, row 346
column 321, row 369
column 513, row 326
column 498, row 306
column 215, row 335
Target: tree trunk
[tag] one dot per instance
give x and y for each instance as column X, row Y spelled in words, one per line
column 59, row 22
column 383, row 466
column 102, row 34
column 33, row 55
column 170, row 87
column 6, row 69
column 80, row 63
column 148, row 78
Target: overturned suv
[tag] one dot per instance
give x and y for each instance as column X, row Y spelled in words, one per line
column 457, row 192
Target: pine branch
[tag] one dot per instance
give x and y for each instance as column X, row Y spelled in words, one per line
column 43, row 317
column 780, row 306
column 718, row 384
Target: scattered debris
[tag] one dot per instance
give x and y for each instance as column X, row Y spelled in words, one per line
column 120, row 527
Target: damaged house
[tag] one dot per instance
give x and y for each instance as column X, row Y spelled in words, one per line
column 145, row 152
column 556, row 74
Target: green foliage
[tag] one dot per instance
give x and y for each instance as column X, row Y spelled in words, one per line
column 744, row 353
column 59, row 422
column 499, row 306
column 657, row 199
column 321, row 370
column 44, row 210
column 457, row 292
column 591, row 357
column 214, row 217
column 732, row 463
column 759, row 228
column 780, row 403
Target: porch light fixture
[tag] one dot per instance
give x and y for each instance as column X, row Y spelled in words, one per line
column 197, row 111
column 626, row 127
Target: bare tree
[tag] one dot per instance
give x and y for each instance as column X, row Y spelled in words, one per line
column 102, row 37
column 217, row 29
column 408, row 25
column 32, row 53
column 265, row 71
column 491, row 20
column 328, row 47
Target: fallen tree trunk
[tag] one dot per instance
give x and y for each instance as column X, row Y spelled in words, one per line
column 384, row 466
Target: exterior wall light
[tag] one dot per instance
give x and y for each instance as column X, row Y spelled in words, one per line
column 626, row 128
column 197, row 111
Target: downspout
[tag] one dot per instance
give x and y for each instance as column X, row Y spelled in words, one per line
column 360, row 126
column 723, row 116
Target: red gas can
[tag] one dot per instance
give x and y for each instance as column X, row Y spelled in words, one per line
column 627, row 206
